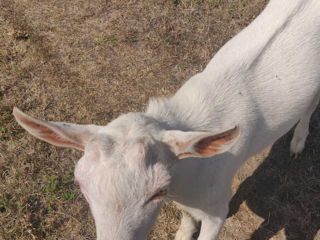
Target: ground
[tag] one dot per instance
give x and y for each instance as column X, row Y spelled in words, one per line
column 89, row 61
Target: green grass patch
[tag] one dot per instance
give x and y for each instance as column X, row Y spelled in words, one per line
column 60, row 187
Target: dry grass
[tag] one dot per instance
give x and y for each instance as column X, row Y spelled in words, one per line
column 87, row 62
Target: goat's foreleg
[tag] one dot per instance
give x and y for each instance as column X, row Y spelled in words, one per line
column 212, row 224
column 187, row 227
column 302, row 129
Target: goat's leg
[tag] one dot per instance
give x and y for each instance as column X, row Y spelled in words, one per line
column 187, row 227
column 212, row 224
column 302, row 129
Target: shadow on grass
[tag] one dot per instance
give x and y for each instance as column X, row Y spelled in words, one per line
column 285, row 191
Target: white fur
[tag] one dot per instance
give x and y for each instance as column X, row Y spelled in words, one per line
column 263, row 81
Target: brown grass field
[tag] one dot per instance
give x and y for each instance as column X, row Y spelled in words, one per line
column 89, row 61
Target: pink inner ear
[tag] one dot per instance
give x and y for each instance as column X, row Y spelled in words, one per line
column 213, row 144
column 208, row 146
column 49, row 135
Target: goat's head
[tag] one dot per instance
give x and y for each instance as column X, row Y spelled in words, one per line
column 125, row 171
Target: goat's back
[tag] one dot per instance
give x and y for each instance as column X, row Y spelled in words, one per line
column 263, row 79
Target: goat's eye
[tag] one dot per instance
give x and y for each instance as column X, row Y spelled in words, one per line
column 159, row 195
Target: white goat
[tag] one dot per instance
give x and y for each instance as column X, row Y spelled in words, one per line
column 252, row 92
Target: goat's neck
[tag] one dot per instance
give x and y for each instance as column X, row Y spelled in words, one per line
column 247, row 47
column 163, row 110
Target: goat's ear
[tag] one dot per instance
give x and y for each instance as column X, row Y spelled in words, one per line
column 199, row 144
column 57, row 133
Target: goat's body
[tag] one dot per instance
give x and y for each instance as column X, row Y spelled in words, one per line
column 263, row 81
column 262, row 92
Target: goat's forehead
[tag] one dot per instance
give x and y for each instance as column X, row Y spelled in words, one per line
column 120, row 141
column 125, row 153
column 114, row 158
column 118, row 147
column 120, row 182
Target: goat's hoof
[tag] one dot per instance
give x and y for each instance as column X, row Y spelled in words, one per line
column 183, row 236
column 296, row 147
column 294, row 155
